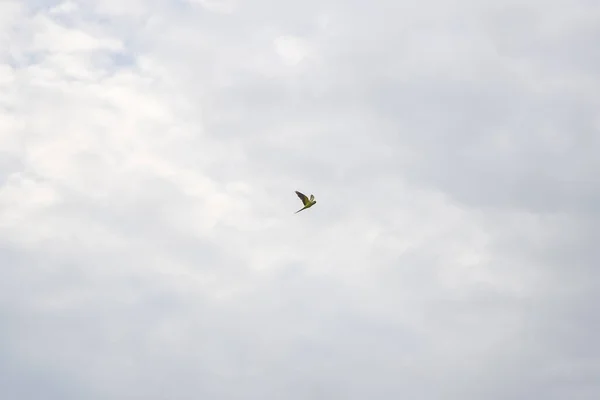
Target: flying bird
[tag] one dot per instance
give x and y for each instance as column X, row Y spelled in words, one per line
column 306, row 201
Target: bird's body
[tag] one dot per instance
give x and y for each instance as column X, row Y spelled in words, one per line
column 306, row 201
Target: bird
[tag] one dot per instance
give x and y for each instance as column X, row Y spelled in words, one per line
column 306, row 201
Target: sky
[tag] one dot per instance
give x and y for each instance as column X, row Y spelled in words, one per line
column 149, row 154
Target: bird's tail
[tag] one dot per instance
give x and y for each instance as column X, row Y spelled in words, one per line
column 299, row 210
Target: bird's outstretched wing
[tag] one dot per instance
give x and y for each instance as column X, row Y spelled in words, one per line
column 304, row 199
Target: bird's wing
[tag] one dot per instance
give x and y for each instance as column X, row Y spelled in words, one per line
column 304, row 199
column 312, row 197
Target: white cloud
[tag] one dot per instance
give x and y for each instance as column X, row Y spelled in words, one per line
column 292, row 50
column 218, row 6
column 148, row 160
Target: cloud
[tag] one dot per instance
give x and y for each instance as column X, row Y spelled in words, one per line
column 148, row 158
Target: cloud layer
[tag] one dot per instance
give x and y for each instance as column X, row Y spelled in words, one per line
column 149, row 153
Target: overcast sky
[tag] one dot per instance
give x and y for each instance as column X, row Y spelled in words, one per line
column 149, row 153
